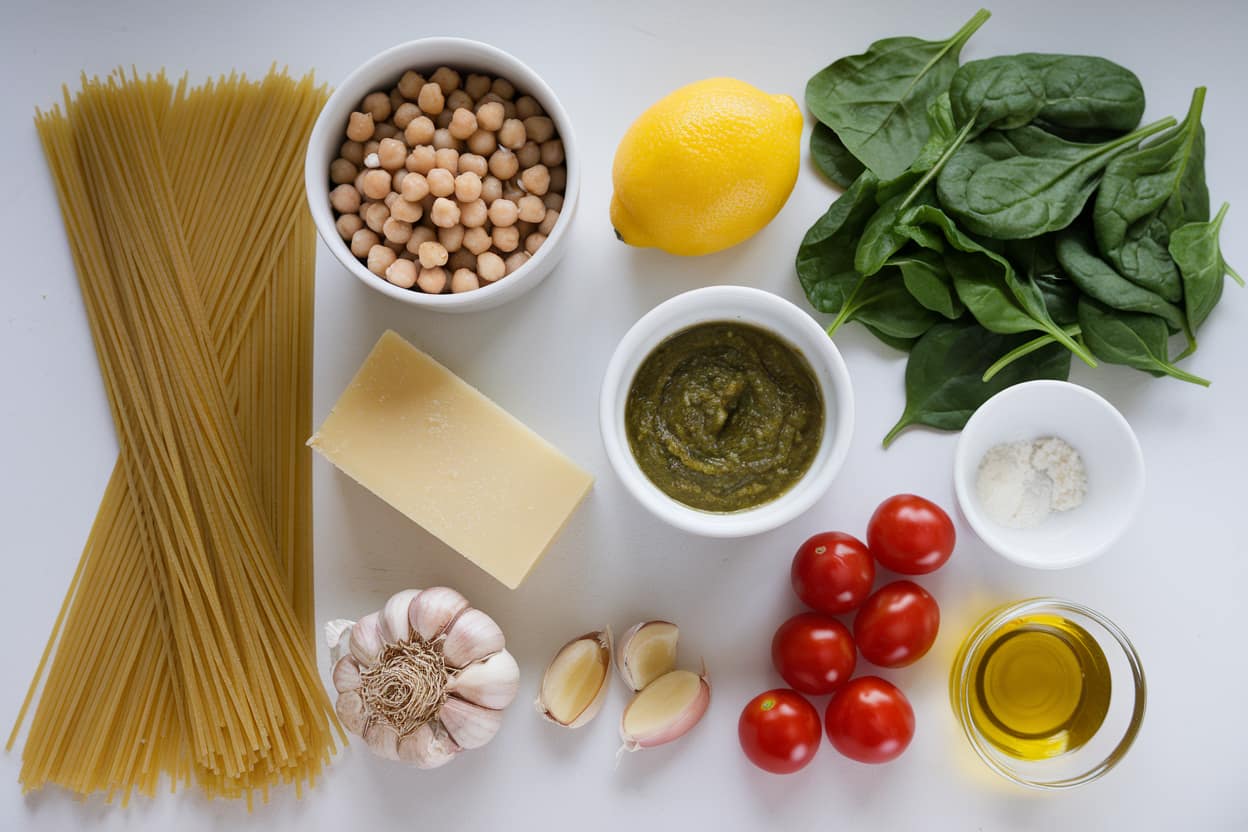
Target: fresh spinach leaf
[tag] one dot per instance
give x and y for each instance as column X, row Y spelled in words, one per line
column 944, row 376
column 1145, row 195
column 884, row 235
column 928, row 280
column 832, row 157
column 1026, row 182
column 883, row 303
column 1129, row 338
column 1098, row 279
column 1061, row 298
column 902, row 344
column 825, row 259
column 875, row 102
column 1198, row 253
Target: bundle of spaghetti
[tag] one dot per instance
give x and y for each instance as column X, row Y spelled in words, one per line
column 184, row 645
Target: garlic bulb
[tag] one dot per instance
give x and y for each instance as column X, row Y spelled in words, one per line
column 574, row 685
column 424, row 678
column 646, row 652
column 665, row 710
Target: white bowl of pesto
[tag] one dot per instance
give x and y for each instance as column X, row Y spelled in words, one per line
column 1110, row 480
column 823, row 437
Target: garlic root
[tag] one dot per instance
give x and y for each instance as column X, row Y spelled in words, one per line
column 665, row 710
column 574, row 685
column 646, row 652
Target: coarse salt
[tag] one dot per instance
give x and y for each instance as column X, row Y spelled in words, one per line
column 1020, row 484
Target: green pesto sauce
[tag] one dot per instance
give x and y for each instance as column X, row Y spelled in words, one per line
column 724, row 416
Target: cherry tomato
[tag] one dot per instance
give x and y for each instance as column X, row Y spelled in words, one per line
column 832, row 573
column 910, row 535
column 779, row 731
column 870, row 720
column 897, row 624
column 814, row 653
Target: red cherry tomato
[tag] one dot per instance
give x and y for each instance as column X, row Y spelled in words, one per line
column 910, row 535
column 897, row 625
column 870, row 720
column 779, row 731
column 832, row 573
column 814, row 653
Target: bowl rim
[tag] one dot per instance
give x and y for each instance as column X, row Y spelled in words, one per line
column 959, row 681
column 316, row 178
column 964, row 469
column 807, row 337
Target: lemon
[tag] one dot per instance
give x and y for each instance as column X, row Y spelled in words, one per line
column 705, row 167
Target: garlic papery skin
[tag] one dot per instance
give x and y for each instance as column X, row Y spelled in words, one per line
column 366, row 641
column 382, row 740
column 396, row 623
column 472, row 637
column 434, row 610
column 429, row 746
column 574, row 686
column 646, row 652
column 665, row 710
column 471, row 726
column 491, row 683
column 346, row 674
column 351, row 711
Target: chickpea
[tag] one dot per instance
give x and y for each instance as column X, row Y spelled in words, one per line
column 375, row 215
column 490, row 266
column 506, row 239
column 503, row 88
column 452, row 239
column 385, row 130
column 347, row 225
column 432, row 281
column 503, row 212
column 491, row 189
column 419, row 131
column 533, row 242
column 402, row 273
column 462, row 259
column 342, row 171
column 445, row 213
column 531, row 209
column 463, row 124
column 377, row 104
column 540, row 128
column 464, row 280
column 415, row 187
column 392, row 154
column 548, row 222
column 482, row 142
column 406, row 210
column 389, row 199
column 396, row 100
column 441, row 182
column 442, row 139
column 426, row 205
column 529, row 155
column 397, row 248
column 558, row 178
column 511, row 134
column 410, row 84
column 421, row 234
column 473, row 213
column 405, row 114
column 422, row 159
column 509, row 109
column 363, row 241
column 345, row 199
column 443, row 119
column 552, row 153
column 526, row 228
column 476, row 240
column 446, row 78
column 490, row 116
column 476, row 85
column 353, row 152
column 503, row 163
column 553, row 201
column 447, row 158
column 472, row 163
column 536, row 180
column 379, row 259
column 430, row 99
column 432, row 254
column 459, row 100
column 486, row 99
column 527, row 106
column 396, row 178
column 360, row 127
column 516, row 260
column 376, row 184
column 512, row 191
column 467, row 187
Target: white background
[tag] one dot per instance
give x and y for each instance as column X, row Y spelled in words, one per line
column 1175, row 582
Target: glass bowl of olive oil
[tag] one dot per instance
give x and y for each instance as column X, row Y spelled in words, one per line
column 1049, row 693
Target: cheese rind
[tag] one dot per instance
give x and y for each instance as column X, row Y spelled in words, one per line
column 435, row 448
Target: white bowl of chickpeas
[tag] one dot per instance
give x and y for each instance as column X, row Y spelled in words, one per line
column 443, row 173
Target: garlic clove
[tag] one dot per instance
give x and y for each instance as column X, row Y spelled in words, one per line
column 471, row 726
column 366, row 642
column 646, row 652
column 346, row 674
column 434, row 610
column 429, row 746
column 665, row 710
column 351, row 711
column 472, row 637
column 382, row 740
column 396, row 624
column 491, row 683
column 574, row 685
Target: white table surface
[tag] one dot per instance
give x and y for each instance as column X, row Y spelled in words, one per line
column 1175, row 582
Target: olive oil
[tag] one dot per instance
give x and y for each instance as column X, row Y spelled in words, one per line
column 1040, row 687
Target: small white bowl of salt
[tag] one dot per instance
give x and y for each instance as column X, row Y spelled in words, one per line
column 1048, row 474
